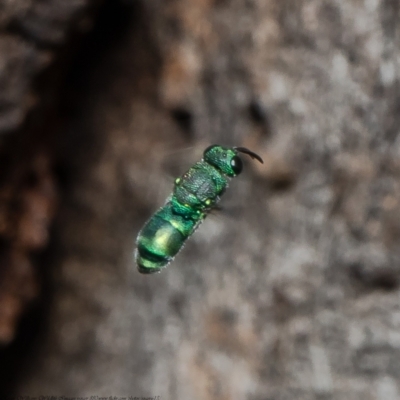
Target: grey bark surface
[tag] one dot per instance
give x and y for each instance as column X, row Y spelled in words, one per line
column 291, row 292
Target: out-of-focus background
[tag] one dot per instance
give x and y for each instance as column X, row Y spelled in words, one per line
column 292, row 290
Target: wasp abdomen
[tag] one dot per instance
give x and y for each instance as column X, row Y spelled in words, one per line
column 161, row 239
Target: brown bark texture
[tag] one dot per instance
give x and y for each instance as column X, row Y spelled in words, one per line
column 291, row 291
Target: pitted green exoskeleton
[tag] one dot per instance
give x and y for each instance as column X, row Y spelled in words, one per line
column 195, row 194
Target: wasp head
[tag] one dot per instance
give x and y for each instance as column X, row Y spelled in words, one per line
column 226, row 159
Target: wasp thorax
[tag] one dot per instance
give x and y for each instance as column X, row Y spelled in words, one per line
column 224, row 159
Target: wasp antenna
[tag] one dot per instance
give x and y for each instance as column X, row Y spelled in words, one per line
column 249, row 153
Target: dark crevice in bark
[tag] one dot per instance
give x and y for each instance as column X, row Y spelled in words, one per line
column 63, row 91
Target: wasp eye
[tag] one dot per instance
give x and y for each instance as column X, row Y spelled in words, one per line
column 236, row 165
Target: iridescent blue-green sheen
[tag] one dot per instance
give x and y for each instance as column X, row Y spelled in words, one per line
column 195, row 193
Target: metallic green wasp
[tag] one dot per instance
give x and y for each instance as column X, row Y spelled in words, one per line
column 195, row 193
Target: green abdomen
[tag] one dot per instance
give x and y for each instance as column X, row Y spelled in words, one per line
column 161, row 239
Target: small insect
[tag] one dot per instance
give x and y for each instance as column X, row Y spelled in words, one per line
column 194, row 195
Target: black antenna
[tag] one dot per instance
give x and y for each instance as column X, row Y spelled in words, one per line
column 249, row 153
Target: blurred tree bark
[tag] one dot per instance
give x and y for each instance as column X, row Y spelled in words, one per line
column 290, row 293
